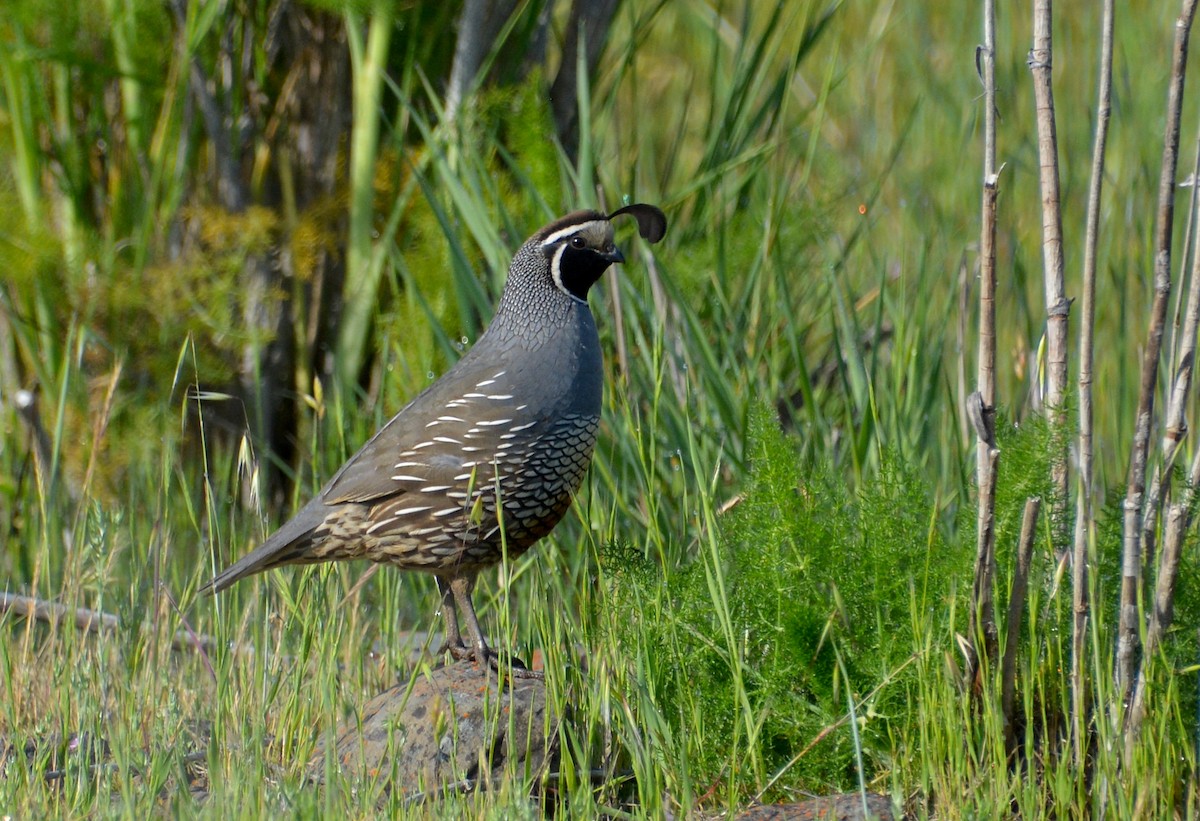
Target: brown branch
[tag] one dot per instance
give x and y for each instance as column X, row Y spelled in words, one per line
column 1127, row 632
column 95, row 621
column 1083, row 509
column 981, row 405
column 416, row 643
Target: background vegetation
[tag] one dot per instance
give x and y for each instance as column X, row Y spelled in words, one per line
column 232, row 247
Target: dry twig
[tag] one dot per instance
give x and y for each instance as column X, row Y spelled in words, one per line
column 95, row 621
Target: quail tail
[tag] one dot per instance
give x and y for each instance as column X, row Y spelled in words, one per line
column 286, row 546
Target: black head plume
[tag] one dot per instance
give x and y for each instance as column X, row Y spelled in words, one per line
column 652, row 223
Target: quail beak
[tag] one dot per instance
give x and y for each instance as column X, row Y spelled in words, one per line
column 613, row 254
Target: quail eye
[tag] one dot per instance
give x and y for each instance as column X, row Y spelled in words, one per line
column 578, row 242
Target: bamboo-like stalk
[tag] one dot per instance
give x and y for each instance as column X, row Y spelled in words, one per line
column 1179, row 519
column 479, row 24
column 1182, row 367
column 1016, row 609
column 1179, row 515
column 1131, row 561
column 1057, row 305
column 982, row 403
column 1175, row 427
column 1083, row 504
column 1182, row 347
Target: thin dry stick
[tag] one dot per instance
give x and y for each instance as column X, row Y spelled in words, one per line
column 1182, row 355
column 1175, row 421
column 983, row 611
column 1179, row 516
column 95, row 621
column 1186, row 250
column 1057, row 305
column 1083, row 509
column 1016, row 608
column 1179, row 521
column 183, row 640
column 1131, row 561
column 981, row 405
column 960, row 349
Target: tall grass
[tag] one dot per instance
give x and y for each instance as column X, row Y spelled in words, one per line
column 811, row 160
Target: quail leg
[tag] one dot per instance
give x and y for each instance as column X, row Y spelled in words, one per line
column 456, row 599
column 453, row 643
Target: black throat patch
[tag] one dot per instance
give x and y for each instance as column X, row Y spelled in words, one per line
column 576, row 270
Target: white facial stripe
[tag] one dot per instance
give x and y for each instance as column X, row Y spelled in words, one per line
column 572, row 229
column 556, row 272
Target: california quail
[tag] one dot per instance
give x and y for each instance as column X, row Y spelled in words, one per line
column 513, row 422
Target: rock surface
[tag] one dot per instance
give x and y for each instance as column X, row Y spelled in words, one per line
column 453, row 728
column 847, row 807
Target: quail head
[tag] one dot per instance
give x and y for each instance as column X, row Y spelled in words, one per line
column 487, row 459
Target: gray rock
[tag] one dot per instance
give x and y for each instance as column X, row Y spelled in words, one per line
column 452, row 729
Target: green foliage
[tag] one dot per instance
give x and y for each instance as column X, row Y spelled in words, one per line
column 803, row 598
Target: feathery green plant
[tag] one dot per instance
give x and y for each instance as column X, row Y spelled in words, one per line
column 802, row 592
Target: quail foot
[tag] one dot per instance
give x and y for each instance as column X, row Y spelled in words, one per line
column 487, row 459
